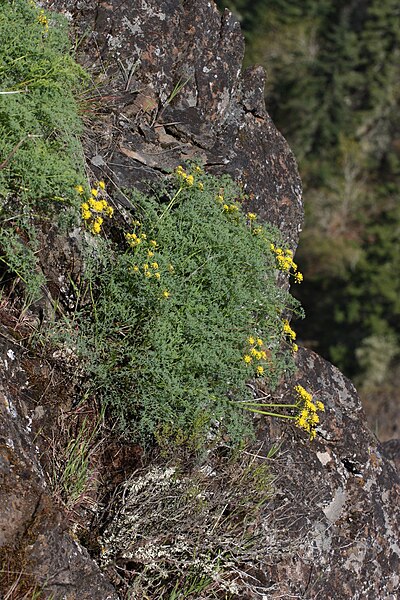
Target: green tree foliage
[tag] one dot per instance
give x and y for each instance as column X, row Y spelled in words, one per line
column 333, row 70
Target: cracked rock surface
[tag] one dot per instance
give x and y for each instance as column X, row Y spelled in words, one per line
column 36, row 551
column 170, row 82
column 344, row 498
column 169, row 88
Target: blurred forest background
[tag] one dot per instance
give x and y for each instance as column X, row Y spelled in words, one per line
column 333, row 89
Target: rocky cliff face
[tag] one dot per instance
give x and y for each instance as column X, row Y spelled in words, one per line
column 170, row 88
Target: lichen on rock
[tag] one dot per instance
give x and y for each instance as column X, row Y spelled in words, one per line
column 321, row 519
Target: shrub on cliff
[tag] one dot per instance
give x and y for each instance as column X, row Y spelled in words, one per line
column 175, row 321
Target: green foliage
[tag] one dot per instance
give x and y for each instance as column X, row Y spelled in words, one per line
column 19, row 258
column 41, row 158
column 167, row 317
column 38, row 111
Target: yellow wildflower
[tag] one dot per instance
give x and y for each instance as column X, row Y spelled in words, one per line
column 298, row 277
column 154, row 265
column 260, row 370
column 79, row 189
column 288, row 330
column 251, row 216
column 43, row 20
column 94, row 192
column 247, row 359
column 96, row 227
column 102, row 185
column 166, row 294
column 307, row 418
column 150, row 254
column 259, row 342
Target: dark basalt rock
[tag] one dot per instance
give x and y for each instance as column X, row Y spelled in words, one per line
column 336, row 509
column 148, row 50
column 344, row 498
column 36, row 551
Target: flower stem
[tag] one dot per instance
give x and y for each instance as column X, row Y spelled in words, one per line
column 170, row 205
column 270, row 414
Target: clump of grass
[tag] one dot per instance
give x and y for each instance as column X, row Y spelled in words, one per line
column 73, row 471
column 165, row 323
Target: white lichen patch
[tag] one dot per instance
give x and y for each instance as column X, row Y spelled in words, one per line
column 324, row 457
column 334, row 508
column 10, row 408
column 171, row 523
column 134, row 27
column 11, row 354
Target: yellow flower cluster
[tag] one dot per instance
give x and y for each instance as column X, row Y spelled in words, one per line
column 134, row 240
column 43, row 20
column 231, row 209
column 147, row 249
column 95, row 208
column 307, row 417
column 256, row 353
column 188, row 179
column 149, row 270
column 291, row 334
column 251, row 216
column 285, row 262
